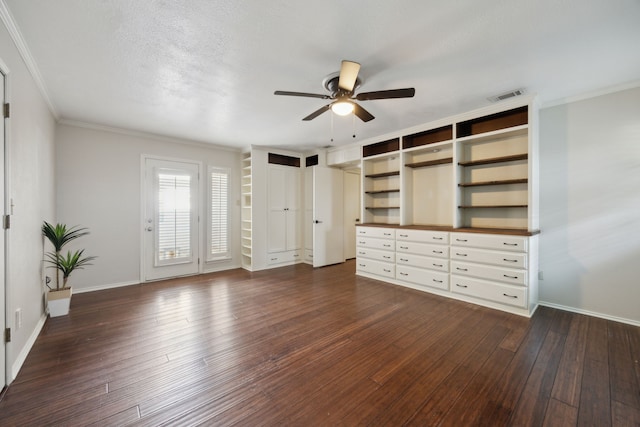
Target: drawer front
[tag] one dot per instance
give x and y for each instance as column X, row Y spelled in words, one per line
column 374, row 243
column 378, row 268
column 423, row 236
column 507, row 275
column 422, row 277
column 280, row 257
column 376, row 254
column 379, row 232
column 503, row 259
column 308, row 255
column 438, row 251
column 437, row 264
column 503, row 294
column 490, row 241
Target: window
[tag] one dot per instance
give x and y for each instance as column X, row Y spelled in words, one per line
column 218, row 236
column 174, row 210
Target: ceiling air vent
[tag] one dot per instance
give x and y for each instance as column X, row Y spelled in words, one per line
column 507, row 95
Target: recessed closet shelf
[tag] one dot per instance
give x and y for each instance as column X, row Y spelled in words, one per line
column 501, row 182
column 382, row 174
column 491, row 206
column 484, row 230
column 430, row 163
column 395, row 190
column 502, row 159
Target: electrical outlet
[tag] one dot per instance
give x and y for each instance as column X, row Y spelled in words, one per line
column 18, row 318
column 540, row 275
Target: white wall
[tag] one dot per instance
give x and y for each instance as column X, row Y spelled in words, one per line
column 30, row 142
column 98, row 186
column 590, row 205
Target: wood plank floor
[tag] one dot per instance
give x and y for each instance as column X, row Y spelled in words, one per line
column 298, row 346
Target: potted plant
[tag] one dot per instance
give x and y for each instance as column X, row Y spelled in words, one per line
column 59, row 298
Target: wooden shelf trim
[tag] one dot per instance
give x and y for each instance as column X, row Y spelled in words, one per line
column 491, row 206
column 492, row 160
column 382, row 174
column 396, row 190
column 501, row 182
column 430, row 163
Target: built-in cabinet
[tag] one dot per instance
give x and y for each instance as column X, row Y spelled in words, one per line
column 452, row 208
column 284, row 237
column 494, row 270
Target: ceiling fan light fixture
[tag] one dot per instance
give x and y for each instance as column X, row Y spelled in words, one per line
column 342, row 108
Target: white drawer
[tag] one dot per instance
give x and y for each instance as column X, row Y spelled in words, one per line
column 503, row 259
column 419, row 261
column 507, row 275
column 422, row 277
column 377, row 254
column 438, row 251
column 503, row 294
column 370, row 242
column 280, row 257
column 379, row 268
column 379, row 232
column 490, row 241
column 308, row 255
column 424, row 236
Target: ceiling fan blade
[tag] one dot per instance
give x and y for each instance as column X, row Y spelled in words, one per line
column 317, row 113
column 308, row 95
column 386, row 94
column 362, row 114
column 348, row 74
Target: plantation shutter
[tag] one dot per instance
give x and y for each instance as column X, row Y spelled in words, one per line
column 219, row 214
column 174, row 225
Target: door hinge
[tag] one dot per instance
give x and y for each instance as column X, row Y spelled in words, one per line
column 7, row 335
column 198, row 261
column 6, row 222
column 6, row 110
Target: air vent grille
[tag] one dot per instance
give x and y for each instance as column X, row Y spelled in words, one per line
column 507, row 95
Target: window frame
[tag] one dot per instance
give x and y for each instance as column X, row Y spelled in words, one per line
column 219, row 256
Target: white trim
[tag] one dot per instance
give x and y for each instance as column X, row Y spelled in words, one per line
column 590, row 313
column 104, row 287
column 223, row 268
column 25, row 53
column 22, row 356
column 149, row 135
column 591, row 94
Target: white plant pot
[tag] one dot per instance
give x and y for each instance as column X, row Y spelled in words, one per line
column 59, row 302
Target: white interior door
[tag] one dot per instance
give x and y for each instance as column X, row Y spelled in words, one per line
column 351, row 211
column 328, row 225
column 3, row 352
column 170, row 221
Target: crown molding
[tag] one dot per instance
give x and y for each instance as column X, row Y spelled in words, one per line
column 147, row 135
column 21, row 45
column 592, row 94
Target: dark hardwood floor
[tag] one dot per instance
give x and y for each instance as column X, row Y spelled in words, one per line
column 303, row 347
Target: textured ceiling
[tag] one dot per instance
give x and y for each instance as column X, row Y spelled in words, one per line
column 206, row 70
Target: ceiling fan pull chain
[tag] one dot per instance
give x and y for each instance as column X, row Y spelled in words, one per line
column 353, row 124
column 331, row 126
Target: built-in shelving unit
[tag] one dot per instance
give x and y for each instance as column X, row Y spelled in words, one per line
column 246, row 216
column 474, row 171
column 381, row 182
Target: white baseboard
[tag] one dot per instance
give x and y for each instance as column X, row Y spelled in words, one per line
column 103, row 287
column 590, row 313
column 22, row 356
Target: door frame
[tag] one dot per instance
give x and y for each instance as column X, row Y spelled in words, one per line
column 5, row 370
column 143, row 201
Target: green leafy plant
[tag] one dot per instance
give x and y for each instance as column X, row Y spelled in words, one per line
column 59, row 235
